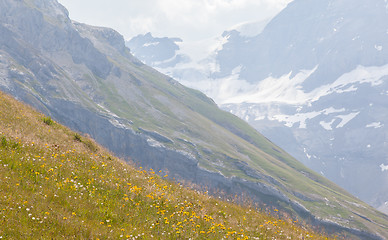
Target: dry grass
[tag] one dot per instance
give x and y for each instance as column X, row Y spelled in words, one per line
column 54, row 185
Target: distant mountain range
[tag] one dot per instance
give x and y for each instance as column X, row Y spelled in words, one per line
column 315, row 82
column 85, row 77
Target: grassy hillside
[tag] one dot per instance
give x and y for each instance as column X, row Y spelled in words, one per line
column 84, row 77
column 56, row 184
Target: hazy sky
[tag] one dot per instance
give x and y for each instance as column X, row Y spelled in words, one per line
column 190, row 20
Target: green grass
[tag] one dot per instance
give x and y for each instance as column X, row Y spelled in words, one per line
column 48, row 121
column 54, row 185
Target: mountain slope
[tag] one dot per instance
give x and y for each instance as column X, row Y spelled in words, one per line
column 58, row 184
column 319, row 71
column 314, row 81
column 84, row 77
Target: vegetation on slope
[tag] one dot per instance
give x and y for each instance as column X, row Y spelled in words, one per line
column 108, row 83
column 55, row 183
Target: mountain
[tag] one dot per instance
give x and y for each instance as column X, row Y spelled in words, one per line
column 56, row 183
column 85, row 77
column 186, row 61
column 319, row 74
column 157, row 52
column 313, row 81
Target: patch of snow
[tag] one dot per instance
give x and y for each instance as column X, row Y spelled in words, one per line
column 384, row 167
column 153, row 143
column 118, row 124
column 346, row 118
column 359, row 75
column 287, row 89
column 284, row 89
column 375, row 125
column 307, row 155
column 259, row 118
column 351, row 88
column 327, row 125
column 331, row 110
column 106, row 110
column 378, row 47
column 150, row 44
column 300, row 118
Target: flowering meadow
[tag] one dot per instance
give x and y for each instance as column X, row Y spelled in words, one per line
column 57, row 184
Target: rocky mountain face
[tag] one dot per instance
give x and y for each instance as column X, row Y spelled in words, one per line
column 327, row 63
column 86, row 78
column 314, row 81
